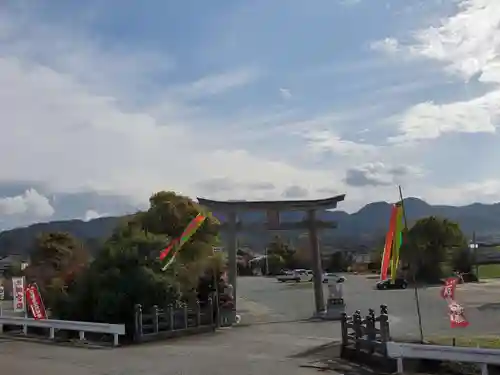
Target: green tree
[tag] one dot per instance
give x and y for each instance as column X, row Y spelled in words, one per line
column 275, row 263
column 338, row 262
column 127, row 270
column 426, row 246
column 282, row 251
column 462, row 260
column 56, row 260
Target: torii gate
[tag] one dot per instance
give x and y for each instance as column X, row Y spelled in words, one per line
column 273, row 208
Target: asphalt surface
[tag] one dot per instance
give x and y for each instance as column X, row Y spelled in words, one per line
column 266, row 300
column 273, row 330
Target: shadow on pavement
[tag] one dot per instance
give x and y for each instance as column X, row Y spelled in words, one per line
column 489, row 306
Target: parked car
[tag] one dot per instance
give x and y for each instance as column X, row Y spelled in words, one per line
column 327, row 277
column 310, row 274
column 295, row 275
column 399, row 283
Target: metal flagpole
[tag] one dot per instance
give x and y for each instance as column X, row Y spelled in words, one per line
column 413, row 269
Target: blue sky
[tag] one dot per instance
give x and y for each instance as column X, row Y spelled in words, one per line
column 104, row 103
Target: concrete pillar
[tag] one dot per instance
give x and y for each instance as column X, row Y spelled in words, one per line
column 317, row 269
column 232, row 248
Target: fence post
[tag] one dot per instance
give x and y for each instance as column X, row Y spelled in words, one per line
column 198, row 313
column 185, row 309
column 356, row 320
column 371, row 312
column 138, row 322
column 211, row 310
column 371, row 333
column 171, row 316
column 384, row 323
column 154, row 311
column 345, row 332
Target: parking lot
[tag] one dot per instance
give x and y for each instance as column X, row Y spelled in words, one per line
column 264, row 300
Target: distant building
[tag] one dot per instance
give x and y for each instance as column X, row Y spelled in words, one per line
column 10, row 260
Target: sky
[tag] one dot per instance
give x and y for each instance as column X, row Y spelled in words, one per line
column 104, row 103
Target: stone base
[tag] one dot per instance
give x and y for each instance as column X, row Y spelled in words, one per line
column 227, row 318
column 335, row 307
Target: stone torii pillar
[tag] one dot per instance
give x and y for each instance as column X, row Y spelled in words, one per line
column 273, row 208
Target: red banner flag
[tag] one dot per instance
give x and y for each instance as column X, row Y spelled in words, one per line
column 448, row 289
column 457, row 315
column 35, row 302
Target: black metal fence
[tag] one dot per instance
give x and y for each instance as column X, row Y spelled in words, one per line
column 175, row 320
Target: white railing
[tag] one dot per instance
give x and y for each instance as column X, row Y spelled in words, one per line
column 481, row 356
column 67, row 325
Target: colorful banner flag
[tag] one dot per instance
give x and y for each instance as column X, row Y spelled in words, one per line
column 386, row 257
column 455, row 310
column 167, row 255
column 397, row 241
column 448, row 289
column 18, row 294
column 35, row 302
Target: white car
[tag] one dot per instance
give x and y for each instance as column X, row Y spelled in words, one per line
column 327, row 277
column 295, row 275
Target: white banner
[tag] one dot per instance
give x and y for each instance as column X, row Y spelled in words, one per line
column 18, row 294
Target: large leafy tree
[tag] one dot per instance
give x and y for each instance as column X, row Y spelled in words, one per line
column 56, row 260
column 428, row 244
column 127, row 271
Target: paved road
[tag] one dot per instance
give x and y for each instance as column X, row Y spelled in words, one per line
column 258, row 348
column 242, row 351
column 264, row 299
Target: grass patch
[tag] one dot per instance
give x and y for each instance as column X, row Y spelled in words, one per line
column 488, row 342
column 489, row 271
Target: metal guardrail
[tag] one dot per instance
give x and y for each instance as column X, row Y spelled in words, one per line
column 54, row 325
column 481, row 356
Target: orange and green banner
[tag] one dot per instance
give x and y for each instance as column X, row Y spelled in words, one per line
column 393, row 240
column 397, row 240
column 167, row 255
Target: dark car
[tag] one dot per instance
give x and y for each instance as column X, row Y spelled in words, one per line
column 399, row 283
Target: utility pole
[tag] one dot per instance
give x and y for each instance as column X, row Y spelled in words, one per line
column 267, row 262
column 474, row 246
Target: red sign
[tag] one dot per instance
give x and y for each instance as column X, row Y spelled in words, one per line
column 457, row 316
column 35, row 302
column 448, row 289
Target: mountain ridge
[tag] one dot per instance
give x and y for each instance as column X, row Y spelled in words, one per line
column 366, row 226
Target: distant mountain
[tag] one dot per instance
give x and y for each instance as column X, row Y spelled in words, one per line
column 364, row 227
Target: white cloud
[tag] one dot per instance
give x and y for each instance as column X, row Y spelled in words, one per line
column 81, row 136
column 285, row 93
column 327, row 141
column 216, row 83
column 430, row 120
column 350, row 2
column 387, row 45
column 30, row 203
column 468, row 44
column 92, row 214
column 380, row 174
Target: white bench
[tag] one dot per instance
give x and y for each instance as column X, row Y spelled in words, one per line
column 68, row 325
column 481, row 356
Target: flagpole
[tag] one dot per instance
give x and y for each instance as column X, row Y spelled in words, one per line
column 415, row 288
